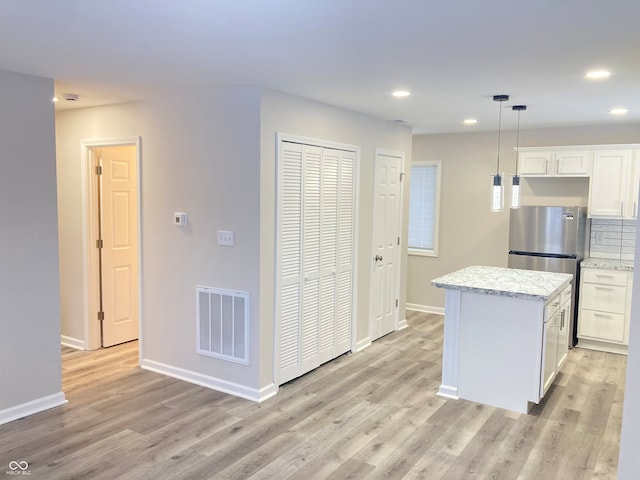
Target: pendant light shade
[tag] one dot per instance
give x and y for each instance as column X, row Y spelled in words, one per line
column 515, row 181
column 497, row 191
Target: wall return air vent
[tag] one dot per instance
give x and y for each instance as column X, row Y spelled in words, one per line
column 223, row 324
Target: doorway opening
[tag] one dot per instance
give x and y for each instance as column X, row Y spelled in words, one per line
column 111, row 230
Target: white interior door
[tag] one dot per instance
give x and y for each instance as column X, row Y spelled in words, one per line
column 385, row 285
column 119, row 252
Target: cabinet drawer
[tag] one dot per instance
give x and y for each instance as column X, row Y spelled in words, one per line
column 605, row 277
column 601, row 325
column 552, row 307
column 606, row 298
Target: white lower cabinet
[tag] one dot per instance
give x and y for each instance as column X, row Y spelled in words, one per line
column 605, row 303
column 555, row 338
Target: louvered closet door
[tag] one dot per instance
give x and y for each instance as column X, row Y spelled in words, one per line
column 316, row 313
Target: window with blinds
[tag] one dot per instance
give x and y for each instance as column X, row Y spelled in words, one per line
column 424, row 200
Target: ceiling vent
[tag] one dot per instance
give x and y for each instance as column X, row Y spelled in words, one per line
column 71, row 97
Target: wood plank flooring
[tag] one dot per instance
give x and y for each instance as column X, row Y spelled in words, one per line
column 370, row 415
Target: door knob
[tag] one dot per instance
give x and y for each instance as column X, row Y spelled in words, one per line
column 378, row 258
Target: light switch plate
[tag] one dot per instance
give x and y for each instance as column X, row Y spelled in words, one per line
column 225, row 238
column 180, row 219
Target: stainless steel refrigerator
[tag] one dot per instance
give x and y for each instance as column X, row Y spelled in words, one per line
column 550, row 239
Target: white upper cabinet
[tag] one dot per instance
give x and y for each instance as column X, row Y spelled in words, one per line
column 613, row 191
column 535, row 162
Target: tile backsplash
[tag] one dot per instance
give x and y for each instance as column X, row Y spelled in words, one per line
column 613, row 239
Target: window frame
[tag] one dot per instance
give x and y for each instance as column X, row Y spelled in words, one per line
column 423, row 252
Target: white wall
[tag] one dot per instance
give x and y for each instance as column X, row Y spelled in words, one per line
column 212, row 155
column 30, row 369
column 469, row 233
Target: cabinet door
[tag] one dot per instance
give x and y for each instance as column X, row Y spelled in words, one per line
column 608, row 186
column 534, row 163
column 549, row 352
column 633, row 188
column 572, row 163
column 563, row 334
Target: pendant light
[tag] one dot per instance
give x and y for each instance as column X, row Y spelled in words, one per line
column 497, row 191
column 515, row 181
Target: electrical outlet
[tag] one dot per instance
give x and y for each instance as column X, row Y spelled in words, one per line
column 225, row 238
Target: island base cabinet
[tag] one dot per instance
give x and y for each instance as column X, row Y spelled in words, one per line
column 500, row 341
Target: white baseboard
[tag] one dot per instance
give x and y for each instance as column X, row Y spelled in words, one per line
column 362, row 344
column 402, row 324
column 447, row 391
column 211, row 382
column 72, row 342
column 29, row 408
column 425, row 308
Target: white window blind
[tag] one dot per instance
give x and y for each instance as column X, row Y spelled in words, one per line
column 423, row 208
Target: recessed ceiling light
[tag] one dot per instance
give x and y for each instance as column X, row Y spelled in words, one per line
column 598, row 74
column 618, row 111
column 470, row 121
column 55, row 99
column 401, row 93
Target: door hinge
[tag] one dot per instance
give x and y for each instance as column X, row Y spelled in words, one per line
column 99, row 243
column 396, row 303
column 100, row 315
column 398, row 240
column 98, row 169
column 401, row 176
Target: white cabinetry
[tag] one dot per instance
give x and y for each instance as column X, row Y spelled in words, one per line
column 555, row 343
column 605, row 305
column 563, row 326
column 614, row 184
column 533, row 162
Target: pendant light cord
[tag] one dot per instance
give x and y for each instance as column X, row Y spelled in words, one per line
column 517, row 143
column 499, row 124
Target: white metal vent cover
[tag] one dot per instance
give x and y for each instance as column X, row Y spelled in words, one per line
column 223, row 324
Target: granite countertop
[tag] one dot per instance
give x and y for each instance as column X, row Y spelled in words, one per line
column 507, row 282
column 606, row 264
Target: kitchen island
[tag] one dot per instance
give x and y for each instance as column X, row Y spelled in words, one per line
column 505, row 334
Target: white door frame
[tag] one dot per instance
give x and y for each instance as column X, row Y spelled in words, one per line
column 401, row 156
column 285, row 137
column 90, row 272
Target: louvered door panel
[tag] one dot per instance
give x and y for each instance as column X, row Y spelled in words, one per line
column 345, row 249
column 290, row 260
column 311, row 218
column 328, row 253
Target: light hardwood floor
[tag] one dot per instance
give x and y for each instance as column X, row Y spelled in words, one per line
column 370, row 415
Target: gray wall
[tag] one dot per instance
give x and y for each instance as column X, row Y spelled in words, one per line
column 629, row 462
column 30, row 366
column 469, row 233
column 212, row 155
column 200, row 155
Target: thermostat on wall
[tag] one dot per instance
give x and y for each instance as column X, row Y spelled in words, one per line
column 180, row 219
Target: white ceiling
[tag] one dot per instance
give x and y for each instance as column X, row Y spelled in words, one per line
column 453, row 55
